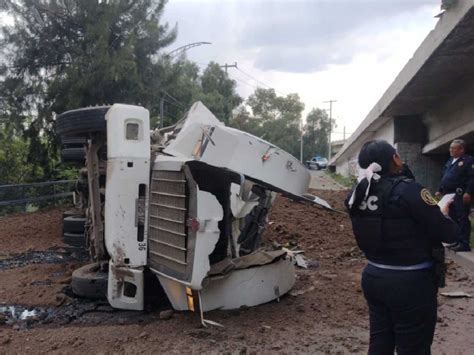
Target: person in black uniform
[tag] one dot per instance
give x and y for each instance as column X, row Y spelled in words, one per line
column 397, row 224
column 458, row 178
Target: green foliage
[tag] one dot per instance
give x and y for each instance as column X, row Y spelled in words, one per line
column 316, row 133
column 14, row 166
column 219, row 92
column 68, row 54
column 343, row 180
column 185, row 85
column 274, row 118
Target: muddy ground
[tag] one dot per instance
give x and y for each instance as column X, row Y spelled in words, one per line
column 325, row 312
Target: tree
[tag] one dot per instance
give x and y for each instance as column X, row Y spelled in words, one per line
column 180, row 88
column 184, row 85
column 219, row 92
column 14, row 167
column 65, row 54
column 316, row 133
column 275, row 118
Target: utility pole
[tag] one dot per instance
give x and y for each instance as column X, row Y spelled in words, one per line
column 301, row 143
column 226, row 66
column 330, row 126
column 162, row 110
column 229, row 66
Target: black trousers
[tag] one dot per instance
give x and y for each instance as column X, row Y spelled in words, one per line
column 459, row 212
column 402, row 308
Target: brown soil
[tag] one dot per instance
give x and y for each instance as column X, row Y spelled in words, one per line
column 33, row 231
column 325, row 314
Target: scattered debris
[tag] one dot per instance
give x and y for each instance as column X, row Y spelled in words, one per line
column 295, row 293
column 39, row 257
column 165, row 315
column 456, row 294
column 299, row 259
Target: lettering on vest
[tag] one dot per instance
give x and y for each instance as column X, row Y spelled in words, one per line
column 370, row 204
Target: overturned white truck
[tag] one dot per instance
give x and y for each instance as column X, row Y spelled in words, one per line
column 188, row 202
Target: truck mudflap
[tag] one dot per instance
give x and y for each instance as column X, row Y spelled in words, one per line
column 247, row 281
column 125, row 288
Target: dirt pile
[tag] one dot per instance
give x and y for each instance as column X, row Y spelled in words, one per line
column 324, row 313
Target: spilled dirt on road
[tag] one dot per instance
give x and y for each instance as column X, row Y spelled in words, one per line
column 325, row 312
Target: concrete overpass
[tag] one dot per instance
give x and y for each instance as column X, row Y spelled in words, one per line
column 430, row 102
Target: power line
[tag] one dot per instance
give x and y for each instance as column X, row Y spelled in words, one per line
column 229, row 66
column 260, row 82
column 253, row 78
column 244, row 82
column 173, row 103
column 181, row 104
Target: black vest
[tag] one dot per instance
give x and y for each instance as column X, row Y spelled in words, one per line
column 384, row 229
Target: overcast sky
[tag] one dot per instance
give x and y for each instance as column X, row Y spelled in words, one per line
column 344, row 50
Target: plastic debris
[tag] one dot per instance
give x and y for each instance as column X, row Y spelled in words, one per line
column 456, row 294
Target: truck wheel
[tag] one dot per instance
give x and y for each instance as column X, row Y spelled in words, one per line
column 73, row 142
column 75, row 239
column 73, row 154
column 74, row 224
column 89, row 281
column 73, row 212
column 81, row 121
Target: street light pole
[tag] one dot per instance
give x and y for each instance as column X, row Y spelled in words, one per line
column 186, row 47
column 171, row 55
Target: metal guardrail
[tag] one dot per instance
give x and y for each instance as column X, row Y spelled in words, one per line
column 18, row 194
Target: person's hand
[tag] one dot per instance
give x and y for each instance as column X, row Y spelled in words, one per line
column 445, row 208
column 466, row 198
column 438, row 195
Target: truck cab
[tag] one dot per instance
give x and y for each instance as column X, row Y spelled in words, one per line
column 190, row 204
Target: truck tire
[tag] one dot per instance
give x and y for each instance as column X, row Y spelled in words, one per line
column 90, row 282
column 70, row 142
column 74, row 224
column 73, row 154
column 82, row 121
column 73, row 212
column 77, row 240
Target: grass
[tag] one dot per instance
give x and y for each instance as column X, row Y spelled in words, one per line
column 344, row 181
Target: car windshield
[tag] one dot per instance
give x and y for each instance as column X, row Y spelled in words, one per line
column 322, row 160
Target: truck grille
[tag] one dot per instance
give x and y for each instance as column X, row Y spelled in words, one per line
column 167, row 236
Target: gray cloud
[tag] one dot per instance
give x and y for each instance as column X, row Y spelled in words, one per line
column 290, row 36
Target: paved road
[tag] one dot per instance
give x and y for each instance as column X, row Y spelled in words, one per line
column 321, row 180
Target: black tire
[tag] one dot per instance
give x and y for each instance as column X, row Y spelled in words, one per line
column 69, row 142
column 74, row 212
column 90, row 282
column 77, row 240
column 73, row 154
column 82, row 121
column 74, row 224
